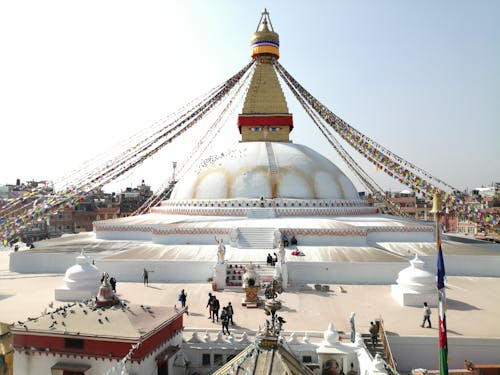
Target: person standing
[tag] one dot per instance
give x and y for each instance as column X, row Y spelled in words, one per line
column 183, row 298
column 215, row 309
column 427, row 316
column 145, row 277
column 269, row 259
column 230, row 313
column 210, row 306
column 225, row 320
column 112, row 281
column 353, row 327
column 374, row 334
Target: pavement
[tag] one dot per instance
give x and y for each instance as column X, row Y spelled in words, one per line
column 473, row 304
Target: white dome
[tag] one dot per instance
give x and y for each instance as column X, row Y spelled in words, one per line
column 82, row 275
column 81, row 281
column 416, row 278
column 266, row 169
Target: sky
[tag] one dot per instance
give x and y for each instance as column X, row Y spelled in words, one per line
column 419, row 77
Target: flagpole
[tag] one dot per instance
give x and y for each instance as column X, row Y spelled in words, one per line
column 443, row 337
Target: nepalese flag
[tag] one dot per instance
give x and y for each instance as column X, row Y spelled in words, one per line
column 443, row 337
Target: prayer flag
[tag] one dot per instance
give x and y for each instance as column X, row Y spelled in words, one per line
column 443, row 337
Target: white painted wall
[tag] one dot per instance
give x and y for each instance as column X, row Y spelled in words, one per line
column 463, row 265
column 162, row 271
column 400, row 237
column 331, row 240
column 422, row 352
column 40, row 362
column 125, row 235
column 189, row 239
column 299, row 273
column 344, row 272
column 34, row 262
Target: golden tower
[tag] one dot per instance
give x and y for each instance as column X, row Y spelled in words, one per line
column 265, row 114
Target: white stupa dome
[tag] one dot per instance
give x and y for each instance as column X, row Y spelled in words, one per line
column 415, row 285
column 416, row 278
column 266, row 169
column 330, row 336
column 80, row 281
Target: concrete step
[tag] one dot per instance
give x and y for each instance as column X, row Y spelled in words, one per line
column 256, row 238
column 379, row 348
column 265, row 272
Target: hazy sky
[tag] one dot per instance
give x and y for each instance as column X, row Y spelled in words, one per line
column 420, row 77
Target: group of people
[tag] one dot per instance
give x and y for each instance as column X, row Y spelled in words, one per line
column 226, row 316
column 112, row 281
column 286, row 242
column 271, row 261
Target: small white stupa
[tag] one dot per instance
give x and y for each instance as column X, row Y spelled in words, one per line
column 415, row 285
column 333, row 354
column 81, row 281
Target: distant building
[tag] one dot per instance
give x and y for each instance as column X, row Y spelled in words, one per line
column 132, row 198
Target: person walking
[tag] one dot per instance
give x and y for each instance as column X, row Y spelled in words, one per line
column 225, row 321
column 183, row 298
column 209, row 305
column 230, row 313
column 374, row 334
column 427, row 316
column 215, row 309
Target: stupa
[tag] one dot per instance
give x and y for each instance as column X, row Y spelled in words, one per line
column 415, row 285
column 249, row 196
column 81, row 281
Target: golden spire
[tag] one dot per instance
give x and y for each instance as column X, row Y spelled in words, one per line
column 265, row 114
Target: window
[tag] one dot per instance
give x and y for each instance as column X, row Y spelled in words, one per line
column 306, row 359
column 274, row 129
column 205, row 359
column 218, row 360
column 73, row 343
column 256, row 129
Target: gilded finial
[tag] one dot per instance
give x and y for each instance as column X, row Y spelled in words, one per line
column 437, row 205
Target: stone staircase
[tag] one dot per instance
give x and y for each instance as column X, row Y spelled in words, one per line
column 273, row 165
column 379, row 348
column 256, row 238
column 236, row 270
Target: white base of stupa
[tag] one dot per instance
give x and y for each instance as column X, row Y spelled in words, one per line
column 69, row 295
column 406, row 297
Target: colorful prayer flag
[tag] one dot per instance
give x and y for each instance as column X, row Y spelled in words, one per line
column 443, row 337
